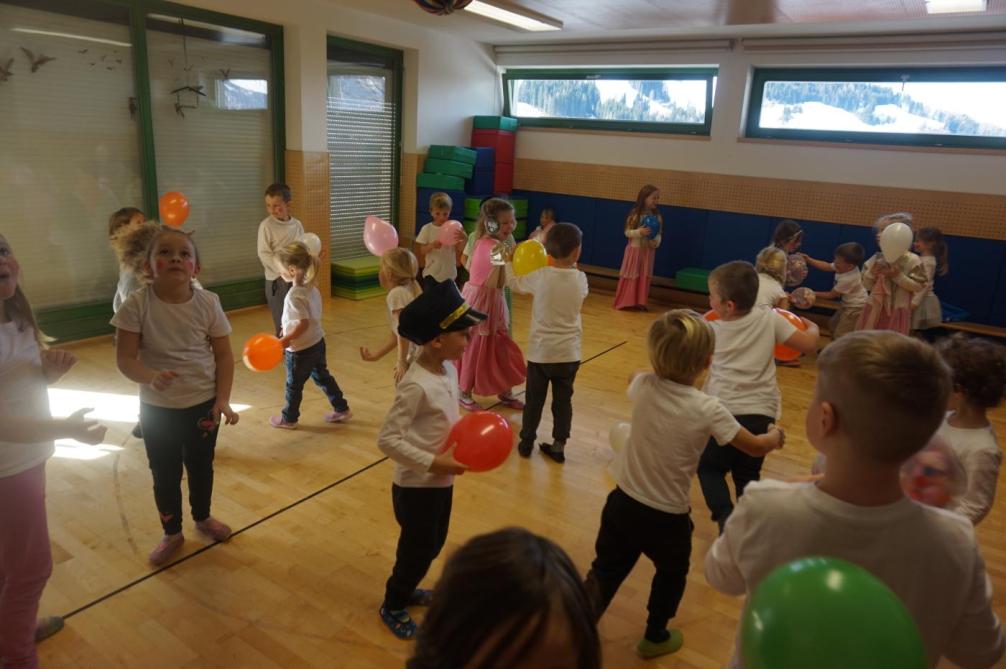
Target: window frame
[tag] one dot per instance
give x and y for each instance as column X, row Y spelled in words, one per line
column 648, row 74
column 761, row 76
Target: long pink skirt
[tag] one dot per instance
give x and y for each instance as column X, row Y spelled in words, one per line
column 634, row 277
column 875, row 317
column 492, row 362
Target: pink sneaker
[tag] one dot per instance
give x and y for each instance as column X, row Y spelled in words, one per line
column 214, row 529
column 167, row 547
column 338, row 416
column 509, row 400
column 277, row 421
column 468, row 404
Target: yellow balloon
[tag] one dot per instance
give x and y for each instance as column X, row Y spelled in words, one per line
column 528, row 257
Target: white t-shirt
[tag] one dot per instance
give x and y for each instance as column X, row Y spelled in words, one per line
column 770, row 291
column 273, row 236
column 979, row 453
column 303, row 303
column 671, row 424
column 442, row 263
column 929, row 267
column 742, row 374
column 417, row 425
column 128, row 282
column 23, row 393
column 176, row 337
column 397, row 299
column 929, row 557
column 556, row 326
column 850, row 286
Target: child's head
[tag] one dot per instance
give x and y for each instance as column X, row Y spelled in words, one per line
column 14, row 305
column 733, row 289
column 171, row 253
column 930, row 241
column 541, row 615
column 681, row 345
column 771, row 260
column 647, row 199
column 848, row 256
column 277, row 201
column 547, row 217
column 440, row 207
column 131, row 247
column 978, row 369
column 297, row 257
column 788, row 235
column 124, row 218
column 398, row 267
column 496, row 219
column 563, row 241
column 881, row 223
column 879, row 394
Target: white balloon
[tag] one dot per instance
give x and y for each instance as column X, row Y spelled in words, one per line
column 312, row 242
column 618, row 435
column 895, row 240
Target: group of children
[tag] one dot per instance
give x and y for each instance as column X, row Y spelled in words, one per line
column 172, row 339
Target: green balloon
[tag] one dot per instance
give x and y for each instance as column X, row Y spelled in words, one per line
column 827, row 613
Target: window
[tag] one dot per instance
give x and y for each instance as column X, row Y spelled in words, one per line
column 240, row 94
column 962, row 107
column 667, row 100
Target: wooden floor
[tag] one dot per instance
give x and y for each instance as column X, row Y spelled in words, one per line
column 300, row 583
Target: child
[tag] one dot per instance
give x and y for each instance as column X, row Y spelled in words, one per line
column 554, row 341
column 742, row 376
column 649, row 512
column 771, row 267
column 120, row 224
column 545, row 223
column 413, row 435
column 397, row 275
column 848, row 287
column 492, row 363
column 788, row 237
column 978, row 369
column 304, row 341
column 932, row 249
column 172, row 339
column 637, row 263
column 440, row 263
column 277, row 231
column 891, row 285
column 27, row 367
column 879, row 397
column 540, row 610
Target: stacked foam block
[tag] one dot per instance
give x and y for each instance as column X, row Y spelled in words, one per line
column 356, row 278
column 498, row 133
column 445, row 171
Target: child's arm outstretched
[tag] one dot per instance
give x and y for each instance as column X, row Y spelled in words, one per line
column 827, row 294
column 21, row 430
column 224, row 358
column 761, row 444
column 818, row 264
column 805, row 341
column 127, row 350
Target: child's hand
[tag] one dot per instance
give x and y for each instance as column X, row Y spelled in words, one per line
column 56, row 363
column 284, row 341
column 445, row 463
column 224, row 408
column 436, row 244
column 777, row 435
column 163, row 379
column 645, row 232
column 85, row 431
column 367, row 355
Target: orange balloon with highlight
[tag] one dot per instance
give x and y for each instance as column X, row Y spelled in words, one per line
column 782, row 352
column 174, row 208
column 262, row 352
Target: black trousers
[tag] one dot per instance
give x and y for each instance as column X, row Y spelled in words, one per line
column 424, row 514
column 175, row 438
column 717, row 461
column 630, row 529
column 275, row 294
column 539, row 374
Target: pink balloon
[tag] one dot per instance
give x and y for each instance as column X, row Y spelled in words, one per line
column 379, row 235
column 449, row 233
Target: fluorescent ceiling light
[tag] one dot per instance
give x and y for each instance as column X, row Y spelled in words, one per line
column 32, row 31
column 955, row 6
column 525, row 20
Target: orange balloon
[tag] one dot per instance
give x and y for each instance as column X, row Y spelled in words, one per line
column 711, row 316
column 262, row 352
column 551, row 261
column 174, row 209
column 785, row 353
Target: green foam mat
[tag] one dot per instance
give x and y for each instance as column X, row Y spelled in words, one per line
column 456, row 153
column 494, row 123
column 440, row 182
column 449, row 167
column 364, row 266
column 692, row 278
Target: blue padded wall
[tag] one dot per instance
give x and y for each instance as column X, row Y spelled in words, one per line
column 734, row 237
column 975, row 266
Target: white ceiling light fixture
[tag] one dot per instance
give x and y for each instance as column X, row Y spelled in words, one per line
column 517, row 17
column 955, row 6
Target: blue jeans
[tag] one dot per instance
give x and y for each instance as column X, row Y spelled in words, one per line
column 305, row 364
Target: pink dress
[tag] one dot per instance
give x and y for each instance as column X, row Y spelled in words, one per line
column 890, row 305
column 637, row 271
column 492, row 362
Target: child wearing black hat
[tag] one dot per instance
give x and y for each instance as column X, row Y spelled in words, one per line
column 413, row 434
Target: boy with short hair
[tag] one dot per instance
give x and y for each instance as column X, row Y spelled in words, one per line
column 553, row 353
column 848, row 286
column 277, row 231
column 413, row 434
column 878, row 399
column 440, row 262
column 742, row 376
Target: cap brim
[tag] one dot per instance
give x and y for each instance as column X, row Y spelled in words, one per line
column 466, row 320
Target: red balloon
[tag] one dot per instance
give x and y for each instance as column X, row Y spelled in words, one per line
column 785, row 353
column 484, row 440
column 174, row 209
column 262, row 352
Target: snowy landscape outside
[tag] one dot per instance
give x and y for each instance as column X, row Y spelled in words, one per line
column 655, row 101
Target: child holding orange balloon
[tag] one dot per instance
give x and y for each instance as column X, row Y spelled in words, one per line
column 172, row 339
column 414, row 434
column 277, row 231
column 643, row 227
column 304, row 340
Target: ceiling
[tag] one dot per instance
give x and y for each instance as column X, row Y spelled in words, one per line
column 627, row 19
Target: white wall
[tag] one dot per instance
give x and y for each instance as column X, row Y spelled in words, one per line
column 723, row 154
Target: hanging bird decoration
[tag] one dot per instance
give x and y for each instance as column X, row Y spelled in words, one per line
column 225, row 73
column 133, row 106
column 197, row 91
column 442, row 7
column 36, row 62
column 5, row 72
